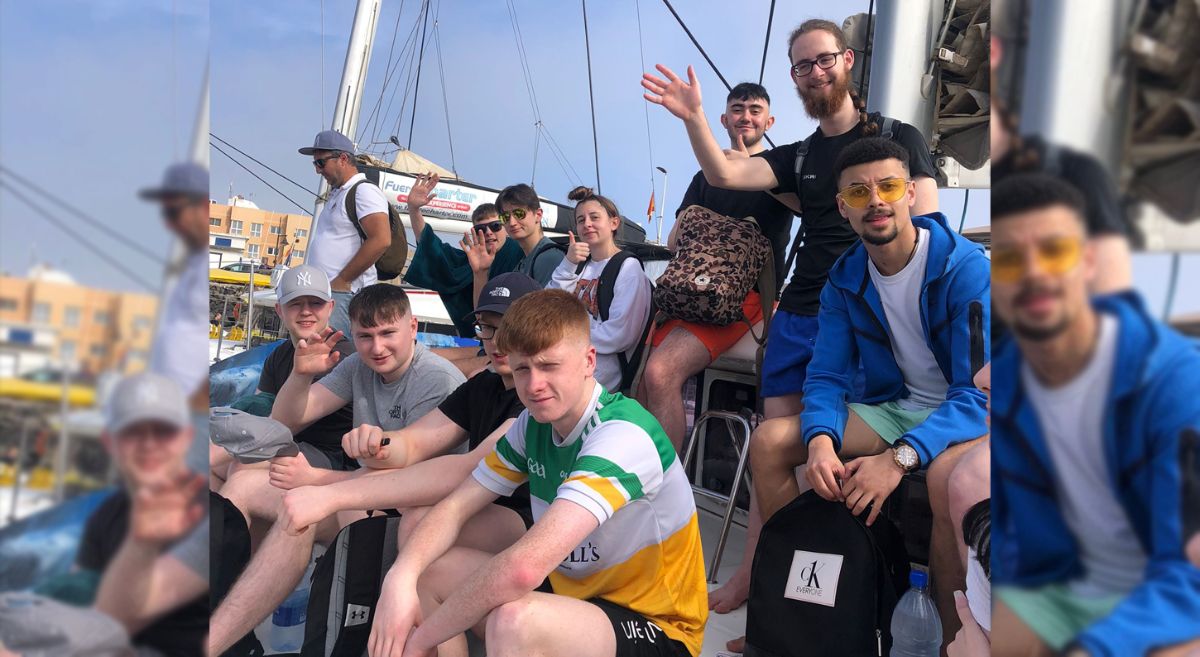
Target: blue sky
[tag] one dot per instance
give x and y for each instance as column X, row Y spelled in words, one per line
column 111, row 98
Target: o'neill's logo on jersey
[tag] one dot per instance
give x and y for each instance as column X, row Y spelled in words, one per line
column 304, row 278
column 814, row 577
column 583, row 554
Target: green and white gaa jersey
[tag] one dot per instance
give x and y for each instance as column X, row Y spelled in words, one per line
column 618, row 464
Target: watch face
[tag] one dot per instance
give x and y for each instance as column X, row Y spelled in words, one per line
column 906, row 457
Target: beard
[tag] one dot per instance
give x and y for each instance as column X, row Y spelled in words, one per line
column 820, row 106
column 879, row 239
column 1038, row 333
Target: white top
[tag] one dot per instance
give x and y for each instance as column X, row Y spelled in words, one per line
column 336, row 239
column 180, row 348
column 1072, row 420
column 626, row 316
column 979, row 591
column 901, row 297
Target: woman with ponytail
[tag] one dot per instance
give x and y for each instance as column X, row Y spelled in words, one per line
column 616, row 328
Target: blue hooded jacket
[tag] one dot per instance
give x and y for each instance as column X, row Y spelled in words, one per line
column 1152, row 399
column 852, row 324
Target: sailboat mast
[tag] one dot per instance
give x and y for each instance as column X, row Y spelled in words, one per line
column 354, row 75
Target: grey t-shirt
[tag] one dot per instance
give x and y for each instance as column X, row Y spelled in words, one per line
column 391, row 406
column 543, row 261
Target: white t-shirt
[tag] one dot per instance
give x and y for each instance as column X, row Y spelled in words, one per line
column 626, row 316
column 180, row 348
column 979, row 591
column 336, row 239
column 901, row 297
column 1071, row 417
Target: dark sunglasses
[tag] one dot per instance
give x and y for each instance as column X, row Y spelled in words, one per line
column 516, row 213
column 172, row 213
column 494, row 226
column 319, row 162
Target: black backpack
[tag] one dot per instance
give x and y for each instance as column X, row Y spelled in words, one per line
column 229, row 552
column 345, row 587
column 605, row 291
column 824, row 584
column 391, row 263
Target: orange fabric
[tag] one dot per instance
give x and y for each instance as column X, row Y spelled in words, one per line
column 718, row 339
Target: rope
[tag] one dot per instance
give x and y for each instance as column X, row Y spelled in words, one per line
column 554, row 146
column 437, row 42
column 705, row 55
column 247, row 155
column 260, row 178
column 387, row 76
column 88, row 219
column 766, row 41
column 591, row 95
column 64, row 227
column 411, row 41
column 412, row 122
column 537, row 134
column 963, row 219
column 645, row 106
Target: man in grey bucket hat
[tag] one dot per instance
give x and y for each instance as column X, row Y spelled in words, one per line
column 336, row 247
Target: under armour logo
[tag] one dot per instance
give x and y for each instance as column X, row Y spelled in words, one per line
column 357, row 615
column 304, row 278
column 500, row 292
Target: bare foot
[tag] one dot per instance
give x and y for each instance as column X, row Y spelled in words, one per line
column 731, row 594
column 288, row 472
column 736, row 645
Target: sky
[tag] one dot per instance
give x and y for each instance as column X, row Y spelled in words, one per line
column 112, row 95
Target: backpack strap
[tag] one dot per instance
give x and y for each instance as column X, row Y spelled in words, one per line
column 801, row 153
column 352, row 209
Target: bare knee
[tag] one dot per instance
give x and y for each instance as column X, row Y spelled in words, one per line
column 772, row 441
column 508, row 626
column 660, row 376
column 937, row 480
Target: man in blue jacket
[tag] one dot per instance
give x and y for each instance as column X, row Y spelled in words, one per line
column 1089, row 401
column 902, row 300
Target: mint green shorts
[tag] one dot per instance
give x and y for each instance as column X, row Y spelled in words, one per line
column 888, row 419
column 1053, row 612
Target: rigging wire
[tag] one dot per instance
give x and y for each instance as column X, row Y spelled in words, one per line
column 387, row 76
column 645, row 106
column 412, row 122
column 88, row 219
column 963, row 219
column 252, row 159
column 708, row 59
column 260, row 178
column 410, row 47
column 555, row 147
column 537, row 134
column 65, row 227
column 437, row 43
column 766, row 42
column 321, row 95
column 591, row 95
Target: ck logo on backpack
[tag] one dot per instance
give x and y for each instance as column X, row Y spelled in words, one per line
column 814, row 577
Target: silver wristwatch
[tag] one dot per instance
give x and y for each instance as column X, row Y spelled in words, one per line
column 906, row 457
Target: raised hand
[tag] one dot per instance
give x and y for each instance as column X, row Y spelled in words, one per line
column 365, row 442
column 739, row 150
column 680, row 98
column 577, row 252
column 422, row 191
column 165, row 511
column 477, row 253
column 318, row 356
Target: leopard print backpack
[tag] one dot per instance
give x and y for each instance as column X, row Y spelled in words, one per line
column 716, row 263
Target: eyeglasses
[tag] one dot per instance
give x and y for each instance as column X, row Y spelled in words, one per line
column 804, row 67
column 516, row 213
column 1055, row 255
column 485, row 331
column 858, row 195
column 319, row 162
column 494, row 226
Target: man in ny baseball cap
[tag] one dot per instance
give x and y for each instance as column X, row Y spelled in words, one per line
column 303, row 281
column 329, row 140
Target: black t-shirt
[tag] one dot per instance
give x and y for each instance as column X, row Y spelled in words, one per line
column 326, row 432
column 1084, row 172
column 774, row 218
column 825, row 233
column 479, row 406
column 180, row 633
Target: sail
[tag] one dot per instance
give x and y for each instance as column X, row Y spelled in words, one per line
column 407, row 161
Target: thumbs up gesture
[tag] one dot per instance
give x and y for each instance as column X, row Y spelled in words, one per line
column 577, row 252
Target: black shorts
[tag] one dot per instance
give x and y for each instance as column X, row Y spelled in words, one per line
column 638, row 637
column 327, row 458
column 518, row 506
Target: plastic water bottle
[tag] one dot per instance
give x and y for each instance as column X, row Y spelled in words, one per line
column 287, row 623
column 916, row 628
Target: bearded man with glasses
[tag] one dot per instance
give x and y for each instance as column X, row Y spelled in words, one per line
column 336, row 247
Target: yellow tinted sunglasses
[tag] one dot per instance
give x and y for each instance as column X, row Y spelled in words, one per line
column 1056, row 255
column 858, row 195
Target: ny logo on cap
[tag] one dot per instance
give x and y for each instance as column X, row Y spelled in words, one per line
column 304, row 278
column 146, row 396
column 501, row 292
